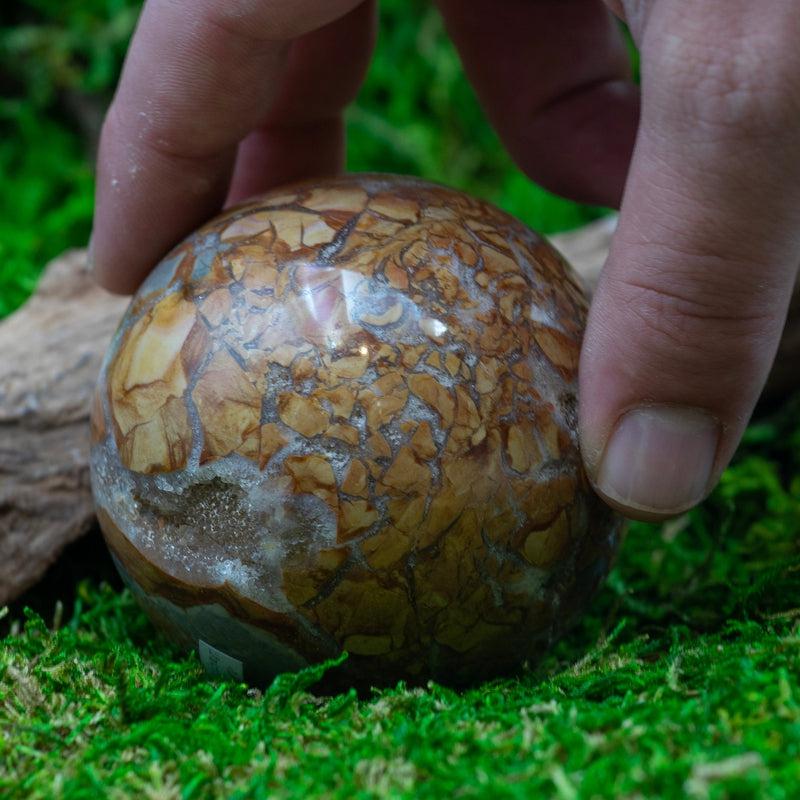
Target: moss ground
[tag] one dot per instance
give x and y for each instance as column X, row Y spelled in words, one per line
column 682, row 680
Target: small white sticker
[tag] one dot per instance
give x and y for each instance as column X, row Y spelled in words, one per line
column 220, row 664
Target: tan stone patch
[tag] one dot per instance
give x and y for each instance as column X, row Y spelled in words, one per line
column 313, row 474
column 396, row 275
column 466, row 253
column 229, row 407
column 386, row 548
column 448, row 284
column 161, row 444
column 452, row 363
column 522, row 369
column 560, row 350
column 349, row 367
column 407, row 512
column 343, row 432
column 302, row 414
column 341, row 399
column 151, row 349
column 414, row 256
column 377, row 228
column 543, row 548
column 466, row 410
column 395, row 207
column 304, row 580
column 434, row 360
column 497, row 263
column 411, row 354
column 361, row 606
column 284, row 354
column 144, row 380
column 355, row 517
column 445, row 508
column 316, row 231
column 250, row 225
column 522, row 447
column 384, row 352
column 345, row 198
column 438, row 397
column 378, row 447
column 355, row 479
column 303, row 368
column 288, row 227
column 216, row 306
column 422, row 441
column 97, row 418
column 384, row 399
column 272, row 440
column 407, row 475
column 540, row 501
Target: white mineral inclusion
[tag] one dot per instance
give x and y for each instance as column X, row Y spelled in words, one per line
column 256, row 521
column 432, row 327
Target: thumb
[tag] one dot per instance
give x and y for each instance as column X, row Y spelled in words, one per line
column 691, row 303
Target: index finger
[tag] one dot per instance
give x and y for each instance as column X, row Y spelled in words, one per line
column 197, row 79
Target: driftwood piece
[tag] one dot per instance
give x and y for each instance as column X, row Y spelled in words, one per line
column 51, row 353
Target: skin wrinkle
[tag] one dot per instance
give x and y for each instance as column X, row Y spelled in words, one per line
column 284, row 20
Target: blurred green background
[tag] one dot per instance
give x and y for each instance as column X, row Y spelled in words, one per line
column 59, row 62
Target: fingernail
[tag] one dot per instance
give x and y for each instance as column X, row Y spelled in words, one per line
column 659, row 459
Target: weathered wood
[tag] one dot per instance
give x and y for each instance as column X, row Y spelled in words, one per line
column 51, row 353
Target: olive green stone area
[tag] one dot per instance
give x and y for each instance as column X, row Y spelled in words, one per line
column 683, row 680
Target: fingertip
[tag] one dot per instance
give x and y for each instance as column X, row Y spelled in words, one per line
column 659, row 461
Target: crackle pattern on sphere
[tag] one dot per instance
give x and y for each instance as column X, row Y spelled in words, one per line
column 343, row 416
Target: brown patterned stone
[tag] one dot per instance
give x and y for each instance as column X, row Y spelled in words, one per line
column 384, row 399
column 355, row 480
column 381, row 460
column 313, row 474
column 302, row 414
column 230, row 407
column 437, row 396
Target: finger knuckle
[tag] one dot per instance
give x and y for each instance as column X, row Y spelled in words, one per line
column 697, row 324
column 272, row 20
column 255, row 21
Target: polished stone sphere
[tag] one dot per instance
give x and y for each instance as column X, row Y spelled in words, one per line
column 343, row 417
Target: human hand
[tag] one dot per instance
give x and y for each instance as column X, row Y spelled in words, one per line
column 690, row 307
column 688, row 313
column 219, row 101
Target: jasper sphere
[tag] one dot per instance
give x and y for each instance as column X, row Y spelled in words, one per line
column 343, row 417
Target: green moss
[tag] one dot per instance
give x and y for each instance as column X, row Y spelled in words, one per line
column 682, row 680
